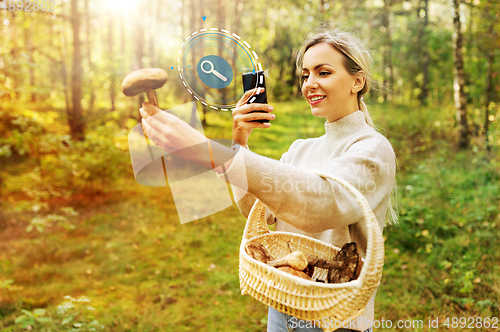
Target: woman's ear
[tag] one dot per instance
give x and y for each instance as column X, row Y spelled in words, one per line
column 359, row 82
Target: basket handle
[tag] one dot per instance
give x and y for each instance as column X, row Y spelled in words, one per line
column 257, row 225
column 256, row 222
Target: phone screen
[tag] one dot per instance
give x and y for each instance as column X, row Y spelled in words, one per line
column 255, row 80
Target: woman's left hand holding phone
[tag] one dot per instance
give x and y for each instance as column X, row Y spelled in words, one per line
column 244, row 117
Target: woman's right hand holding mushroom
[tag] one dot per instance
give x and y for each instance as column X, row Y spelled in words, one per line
column 242, row 117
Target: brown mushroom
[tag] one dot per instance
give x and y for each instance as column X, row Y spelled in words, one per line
column 309, row 270
column 352, row 264
column 324, row 263
column 295, row 272
column 313, row 262
column 296, row 259
column 258, row 252
column 144, row 80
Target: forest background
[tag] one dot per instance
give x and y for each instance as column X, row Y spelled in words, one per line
column 83, row 247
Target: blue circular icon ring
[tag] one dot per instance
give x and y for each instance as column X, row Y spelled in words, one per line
column 215, row 72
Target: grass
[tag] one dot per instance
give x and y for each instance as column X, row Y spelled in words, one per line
column 144, row 271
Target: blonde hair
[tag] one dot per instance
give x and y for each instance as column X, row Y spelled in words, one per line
column 357, row 60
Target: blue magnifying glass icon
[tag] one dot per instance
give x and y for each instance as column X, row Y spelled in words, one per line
column 215, row 71
column 212, row 70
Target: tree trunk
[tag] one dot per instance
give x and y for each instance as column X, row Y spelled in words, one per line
column 123, row 58
column 88, row 33
column 194, row 24
column 184, row 33
column 234, row 25
column 75, row 117
column 293, row 78
column 489, row 97
column 64, row 71
column 157, row 58
column 6, row 74
column 112, row 65
column 139, row 54
column 122, row 45
column 459, row 85
column 375, row 90
column 424, row 42
column 149, row 27
column 491, row 46
column 221, row 17
column 15, row 73
column 29, row 44
column 5, row 64
column 181, row 13
column 139, row 44
column 387, row 55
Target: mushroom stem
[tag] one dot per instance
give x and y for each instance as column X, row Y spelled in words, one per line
column 324, row 263
column 293, row 271
column 296, row 259
column 150, row 93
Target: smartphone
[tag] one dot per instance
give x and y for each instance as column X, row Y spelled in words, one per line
column 256, row 80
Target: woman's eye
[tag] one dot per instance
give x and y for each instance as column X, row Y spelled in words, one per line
column 305, row 77
column 324, row 73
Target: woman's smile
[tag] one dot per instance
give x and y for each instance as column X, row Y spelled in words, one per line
column 316, row 99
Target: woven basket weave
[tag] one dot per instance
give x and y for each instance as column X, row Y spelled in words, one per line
column 304, row 299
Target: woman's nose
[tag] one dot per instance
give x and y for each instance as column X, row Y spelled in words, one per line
column 311, row 83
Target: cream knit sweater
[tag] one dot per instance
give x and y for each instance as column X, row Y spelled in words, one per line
column 299, row 201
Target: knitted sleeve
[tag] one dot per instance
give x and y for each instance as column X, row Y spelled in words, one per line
column 247, row 200
column 308, row 202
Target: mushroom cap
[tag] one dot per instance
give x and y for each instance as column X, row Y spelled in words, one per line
column 142, row 80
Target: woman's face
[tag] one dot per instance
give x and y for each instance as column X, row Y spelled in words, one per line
column 328, row 87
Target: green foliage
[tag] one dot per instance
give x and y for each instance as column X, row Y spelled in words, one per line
column 97, row 161
column 77, row 315
column 32, row 319
column 39, row 191
column 62, row 167
column 441, row 192
column 71, row 166
column 449, row 209
column 6, row 283
column 70, row 316
column 41, row 222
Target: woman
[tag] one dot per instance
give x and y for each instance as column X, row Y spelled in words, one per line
column 335, row 69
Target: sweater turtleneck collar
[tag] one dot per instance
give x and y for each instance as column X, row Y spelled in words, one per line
column 345, row 126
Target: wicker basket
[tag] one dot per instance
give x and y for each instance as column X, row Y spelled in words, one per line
column 304, row 299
